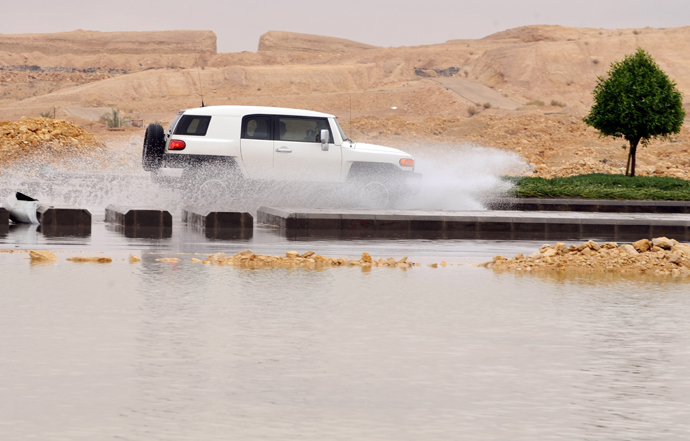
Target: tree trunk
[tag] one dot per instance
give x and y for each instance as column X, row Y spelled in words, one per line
column 633, row 152
column 627, row 165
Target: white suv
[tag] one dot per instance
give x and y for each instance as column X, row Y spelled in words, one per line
column 274, row 144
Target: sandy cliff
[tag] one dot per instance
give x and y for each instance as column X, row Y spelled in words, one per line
column 93, row 42
column 296, row 42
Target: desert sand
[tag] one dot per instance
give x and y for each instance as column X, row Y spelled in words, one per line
column 524, row 90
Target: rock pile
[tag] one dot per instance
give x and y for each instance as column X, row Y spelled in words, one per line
column 90, row 259
column 24, row 138
column 292, row 259
column 660, row 256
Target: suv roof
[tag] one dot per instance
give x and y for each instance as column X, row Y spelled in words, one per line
column 251, row 110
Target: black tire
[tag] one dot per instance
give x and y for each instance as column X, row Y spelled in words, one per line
column 154, row 146
column 375, row 185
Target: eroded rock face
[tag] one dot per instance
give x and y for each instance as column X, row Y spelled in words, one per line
column 661, row 256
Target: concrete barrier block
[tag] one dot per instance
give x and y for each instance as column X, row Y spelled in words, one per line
column 4, row 221
column 209, row 219
column 63, row 216
column 63, row 221
column 138, row 217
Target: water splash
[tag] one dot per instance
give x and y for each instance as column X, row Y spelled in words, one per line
column 456, row 177
column 463, row 177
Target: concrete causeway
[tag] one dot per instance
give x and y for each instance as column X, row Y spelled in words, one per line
column 508, row 224
column 590, row 205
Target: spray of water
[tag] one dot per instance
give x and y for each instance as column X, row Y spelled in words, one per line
column 455, row 177
column 463, row 177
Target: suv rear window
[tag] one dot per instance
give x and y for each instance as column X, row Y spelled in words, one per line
column 192, row 125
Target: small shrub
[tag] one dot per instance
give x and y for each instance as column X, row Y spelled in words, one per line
column 486, row 105
column 535, row 103
column 47, row 114
column 636, row 32
column 595, row 61
column 471, row 111
column 114, row 119
column 557, row 103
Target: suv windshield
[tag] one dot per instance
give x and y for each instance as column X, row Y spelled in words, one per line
column 340, row 129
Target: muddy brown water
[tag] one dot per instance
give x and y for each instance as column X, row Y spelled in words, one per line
column 186, row 351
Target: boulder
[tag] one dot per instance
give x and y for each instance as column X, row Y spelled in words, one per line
column 629, row 249
column 664, row 243
column 642, row 245
column 549, row 253
column 42, row 256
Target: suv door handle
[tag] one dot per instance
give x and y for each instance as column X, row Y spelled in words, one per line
column 284, row 150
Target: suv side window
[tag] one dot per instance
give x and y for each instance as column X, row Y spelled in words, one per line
column 192, row 125
column 256, row 127
column 302, row 129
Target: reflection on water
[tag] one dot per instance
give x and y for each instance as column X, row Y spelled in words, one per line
column 186, row 351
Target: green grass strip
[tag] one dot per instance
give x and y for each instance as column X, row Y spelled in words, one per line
column 603, row 186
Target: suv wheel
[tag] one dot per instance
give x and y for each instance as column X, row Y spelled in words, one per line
column 154, row 146
column 375, row 195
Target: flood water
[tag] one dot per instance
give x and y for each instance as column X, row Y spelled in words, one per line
column 161, row 351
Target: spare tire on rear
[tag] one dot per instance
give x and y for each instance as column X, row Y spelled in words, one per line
column 154, row 146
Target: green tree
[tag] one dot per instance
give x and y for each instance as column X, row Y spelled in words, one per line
column 637, row 102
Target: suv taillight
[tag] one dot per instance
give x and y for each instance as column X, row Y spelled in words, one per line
column 176, row 144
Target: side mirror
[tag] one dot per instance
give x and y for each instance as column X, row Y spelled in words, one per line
column 325, row 135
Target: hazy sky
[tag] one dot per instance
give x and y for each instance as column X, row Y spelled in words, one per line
column 238, row 24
